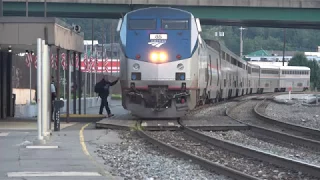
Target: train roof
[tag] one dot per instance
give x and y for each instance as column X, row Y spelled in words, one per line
column 253, row 65
column 294, row 68
column 160, row 12
column 212, row 43
column 269, row 67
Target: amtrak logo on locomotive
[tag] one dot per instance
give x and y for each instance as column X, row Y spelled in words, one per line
column 158, row 40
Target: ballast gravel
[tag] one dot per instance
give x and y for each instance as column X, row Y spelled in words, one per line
column 307, row 116
column 248, row 139
column 210, row 111
column 134, row 158
column 262, row 170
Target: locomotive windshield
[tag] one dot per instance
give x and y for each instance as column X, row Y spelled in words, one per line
column 142, row 24
column 175, row 24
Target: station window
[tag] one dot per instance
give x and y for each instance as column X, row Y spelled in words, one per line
column 136, row 24
column 174, row 24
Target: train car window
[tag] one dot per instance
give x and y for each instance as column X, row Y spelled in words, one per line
column 223, row 55
column 227, row 57
column 175, row 24
column 233, row 61
column 136, row 24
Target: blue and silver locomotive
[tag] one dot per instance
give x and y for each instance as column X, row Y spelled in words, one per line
column 166, row 68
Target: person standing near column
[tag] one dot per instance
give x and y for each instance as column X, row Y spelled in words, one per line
column 53, row 96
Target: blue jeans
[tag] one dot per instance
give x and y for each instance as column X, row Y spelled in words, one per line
column 104, row 103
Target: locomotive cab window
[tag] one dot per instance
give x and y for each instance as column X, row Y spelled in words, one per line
column 140, row 24
column 174, row 24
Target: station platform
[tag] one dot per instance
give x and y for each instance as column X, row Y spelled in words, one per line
column 92, row 113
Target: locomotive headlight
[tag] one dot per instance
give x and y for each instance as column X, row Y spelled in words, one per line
column 154, row 57
column 136, row 66
column 163, row 56
column 157, row 57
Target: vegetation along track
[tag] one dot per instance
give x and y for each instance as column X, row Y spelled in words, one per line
column 229, row 159
column 244, row 112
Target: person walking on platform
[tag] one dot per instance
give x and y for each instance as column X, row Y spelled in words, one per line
column 102, row 88
column 53, row 96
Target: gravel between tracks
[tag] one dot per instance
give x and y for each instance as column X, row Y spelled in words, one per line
column 248, row 139
column 295, row 114
column 244, row 164
column 209, row 112
column 244, row 113
column 134, row 158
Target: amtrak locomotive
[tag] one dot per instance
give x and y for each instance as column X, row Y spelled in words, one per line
column 166, row 68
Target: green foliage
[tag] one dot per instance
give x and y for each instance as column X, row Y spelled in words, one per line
column 116, row 96
column 300, row 59
column 255, row 39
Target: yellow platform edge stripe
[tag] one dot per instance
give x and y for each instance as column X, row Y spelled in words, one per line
column 83, row 116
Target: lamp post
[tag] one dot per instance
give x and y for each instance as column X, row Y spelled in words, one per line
column 241, row 41
column 1, row 8
column 284, row 45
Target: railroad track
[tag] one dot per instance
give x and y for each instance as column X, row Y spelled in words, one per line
column 305, row 131
column 265, row 125
column 273, row 161
column 231, row 169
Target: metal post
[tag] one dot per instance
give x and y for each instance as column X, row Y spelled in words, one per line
column 27, row 8
column 91, row 55
column 39, row 75
column 74, row 84
column 30, row 76
column 58, row 74
column 45, row 89
column 85, row 84
column 45, row 8
column 241, row 43
column 49, row 103
column 64, row 84
column 68, row 83
column 316, row 95
column 79, row 82
column 111, row 39
column 95, row 67
column 284, row 45
column 1, row 8
column 69, row 79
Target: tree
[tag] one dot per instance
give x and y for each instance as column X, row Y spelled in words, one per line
column 300, row 59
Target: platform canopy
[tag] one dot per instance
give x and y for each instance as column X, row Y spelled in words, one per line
column 21, row 33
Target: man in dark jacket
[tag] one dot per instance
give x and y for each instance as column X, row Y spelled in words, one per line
column 104, row 86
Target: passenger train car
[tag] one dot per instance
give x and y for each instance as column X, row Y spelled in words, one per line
column 166, row 68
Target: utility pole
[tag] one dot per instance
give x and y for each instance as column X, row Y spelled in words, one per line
column 1, row 8
column 241, row 41
column 284, row 45
column 27, row 8
column 45, row 8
